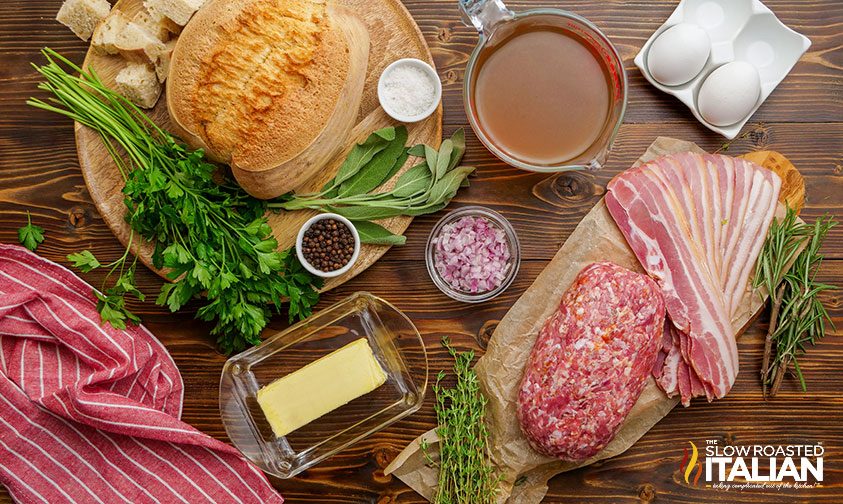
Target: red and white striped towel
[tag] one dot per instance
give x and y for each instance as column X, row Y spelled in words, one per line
column 90, row 414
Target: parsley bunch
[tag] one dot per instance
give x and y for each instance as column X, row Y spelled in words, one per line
column 213, row 238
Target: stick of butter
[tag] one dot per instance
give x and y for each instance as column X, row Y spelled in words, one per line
column 321, row 387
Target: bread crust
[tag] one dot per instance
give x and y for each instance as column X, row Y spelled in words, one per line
column 270, row 87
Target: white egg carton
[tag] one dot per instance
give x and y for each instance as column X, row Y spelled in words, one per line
column 739, row 30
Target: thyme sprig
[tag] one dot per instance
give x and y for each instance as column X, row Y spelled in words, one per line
column 465, row 474
column 786, row 269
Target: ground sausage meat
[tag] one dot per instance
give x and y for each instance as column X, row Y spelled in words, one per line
column 591, row 361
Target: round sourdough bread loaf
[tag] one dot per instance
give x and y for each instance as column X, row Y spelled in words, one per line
column 270, row 87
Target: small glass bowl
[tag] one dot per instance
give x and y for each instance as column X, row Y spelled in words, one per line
column 514, row 253
column 300, row 237
column 397, row 346
column 424, row 67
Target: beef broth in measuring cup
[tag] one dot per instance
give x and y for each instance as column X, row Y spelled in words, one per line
column 545, row 90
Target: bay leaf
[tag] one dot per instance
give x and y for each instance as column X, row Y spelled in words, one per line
column 458, row 142
column 375, row 234
column 412, row 181
column 376, row 171
column 443, row 159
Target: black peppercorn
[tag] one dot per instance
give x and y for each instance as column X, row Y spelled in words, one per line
column 328, row 245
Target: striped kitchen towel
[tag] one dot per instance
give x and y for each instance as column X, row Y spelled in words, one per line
column 90, row 414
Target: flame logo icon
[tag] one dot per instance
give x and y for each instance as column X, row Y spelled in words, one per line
column 687, row 466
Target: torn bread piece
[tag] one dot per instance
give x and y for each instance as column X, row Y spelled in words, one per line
column 139, row 83
column 162, row 64
column 108, row 32
column 118, row 35
column 156, row 24
column 179, row 11
column 83, row 16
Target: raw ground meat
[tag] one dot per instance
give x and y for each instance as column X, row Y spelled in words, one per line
column 591, row 361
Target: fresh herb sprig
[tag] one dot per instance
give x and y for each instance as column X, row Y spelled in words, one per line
column 354, row 193
column 787, row 268
column 212, row 236
column 465, row 474
column 30, row 235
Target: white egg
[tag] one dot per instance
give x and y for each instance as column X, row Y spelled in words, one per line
column 678, row 54
column 729, row 93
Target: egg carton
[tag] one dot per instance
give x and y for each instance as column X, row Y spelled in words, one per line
column 739, row 30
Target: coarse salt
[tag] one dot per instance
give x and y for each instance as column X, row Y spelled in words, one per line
column 408, row 90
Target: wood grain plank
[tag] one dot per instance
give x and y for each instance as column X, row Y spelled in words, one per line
column 801, row 97
column 356, row 474
column 40, row 171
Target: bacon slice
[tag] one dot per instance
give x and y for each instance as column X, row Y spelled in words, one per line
column 696, row 222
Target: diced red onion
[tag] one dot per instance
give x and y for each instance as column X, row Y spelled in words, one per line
column 472, row 255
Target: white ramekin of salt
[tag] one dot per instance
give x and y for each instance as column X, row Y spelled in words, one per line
column 409, row 90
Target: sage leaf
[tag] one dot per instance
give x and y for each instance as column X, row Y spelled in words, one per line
column 424, row 210
column 431, row 155
column 375, row 234
column 443, row 159
column 332, row 193
column 396, row 167
column 458, row 142
column 360, row 155
column 376, row 171
column 412, row 181
column 445, row 189
column 417, row 150
column 366, row 213
column 387, row 133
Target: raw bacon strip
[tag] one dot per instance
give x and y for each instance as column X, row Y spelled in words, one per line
column 697, row 224
column 662, row 244
column 764, row 196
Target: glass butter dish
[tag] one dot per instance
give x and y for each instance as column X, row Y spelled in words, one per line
column 397, row 347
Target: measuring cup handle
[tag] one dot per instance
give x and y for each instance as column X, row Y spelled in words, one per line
column 483, row 15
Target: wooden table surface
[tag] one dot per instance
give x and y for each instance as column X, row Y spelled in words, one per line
column 803, row 119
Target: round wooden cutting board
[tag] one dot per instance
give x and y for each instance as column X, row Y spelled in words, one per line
column 393, row 34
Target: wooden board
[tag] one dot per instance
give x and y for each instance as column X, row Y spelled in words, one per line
column 393, row 34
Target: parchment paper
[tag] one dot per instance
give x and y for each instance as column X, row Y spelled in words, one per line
column 596, row 238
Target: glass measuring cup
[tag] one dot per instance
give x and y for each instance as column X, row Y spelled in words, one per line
column 496, row 25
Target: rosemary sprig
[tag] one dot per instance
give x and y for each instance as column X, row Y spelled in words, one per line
column 465, row 474
column 797, row 316
column 784, row 240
